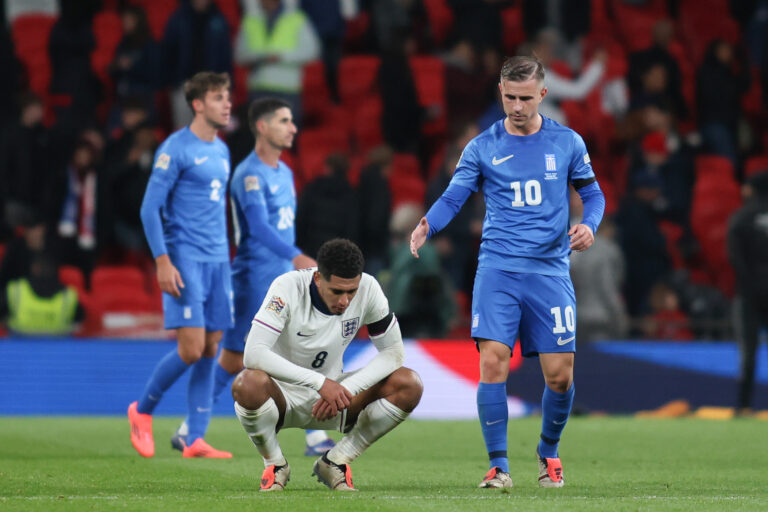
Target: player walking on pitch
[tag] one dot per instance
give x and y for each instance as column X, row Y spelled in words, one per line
column 523, row 164
column 184, row 217
column 263, row 210
column 293, row 358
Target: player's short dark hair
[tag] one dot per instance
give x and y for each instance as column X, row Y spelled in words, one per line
column 340, row 257
column 522, row 68
column 196, row 87
column 262, row 108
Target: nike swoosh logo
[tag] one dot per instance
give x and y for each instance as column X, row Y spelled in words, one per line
column 561, row 341
column 274, row 189
column 201, row 409
column 489, row 423
column 199, row 161
column 497, row 161
column 304, row 335
column 559, row 422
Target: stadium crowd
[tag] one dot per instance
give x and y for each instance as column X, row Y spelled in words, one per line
column 668, row 96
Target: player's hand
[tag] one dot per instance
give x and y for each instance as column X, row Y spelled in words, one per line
column 168, row 276
column 333, row 398
column 419, row 236
column 582, row 237
column 303, row 261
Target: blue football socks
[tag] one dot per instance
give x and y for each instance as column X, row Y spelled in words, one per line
column 555, row 408
column 221, row 378
column 493, row 413
column 167, row 371
column 199, row 398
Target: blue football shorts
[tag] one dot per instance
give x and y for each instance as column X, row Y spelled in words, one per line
column 206, row 299
column 540, row 309
column 250, row 284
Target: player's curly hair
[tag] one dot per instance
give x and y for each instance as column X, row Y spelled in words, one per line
column 522, row 68
column 340, row 257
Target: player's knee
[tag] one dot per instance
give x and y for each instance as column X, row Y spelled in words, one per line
column 493, row 369
column 410, row 388
column 191, row 354
column 250, row 388
column 559, row 382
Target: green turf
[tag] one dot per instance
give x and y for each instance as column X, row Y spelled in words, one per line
column 610, row 464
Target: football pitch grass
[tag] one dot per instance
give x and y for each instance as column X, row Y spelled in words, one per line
column 610, row 463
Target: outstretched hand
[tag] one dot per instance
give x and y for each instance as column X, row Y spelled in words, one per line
column 582, row 237
column 419, row 236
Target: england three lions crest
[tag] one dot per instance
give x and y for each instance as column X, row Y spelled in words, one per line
column 349, row 327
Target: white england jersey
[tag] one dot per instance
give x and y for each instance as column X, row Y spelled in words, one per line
column 307, row 337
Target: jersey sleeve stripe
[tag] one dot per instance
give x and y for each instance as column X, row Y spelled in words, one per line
column 267, row 325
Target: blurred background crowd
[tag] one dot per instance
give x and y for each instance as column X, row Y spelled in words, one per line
column 668, row 95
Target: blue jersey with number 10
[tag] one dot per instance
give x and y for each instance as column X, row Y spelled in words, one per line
column 255, row 183
column 525, row 183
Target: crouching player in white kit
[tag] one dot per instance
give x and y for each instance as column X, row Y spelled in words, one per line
column 293, row 366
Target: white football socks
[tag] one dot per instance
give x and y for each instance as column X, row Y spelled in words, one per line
column 260, row 427
column 373, row 422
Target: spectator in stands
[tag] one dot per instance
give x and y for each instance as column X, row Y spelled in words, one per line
column 10, row 84
column 666, row 320
column 649, row 65
column 390, row 20
column 478, row 22
column 560, row 87
column 26, row 166
column 21, row 250
column 275, row 42
column 642, row 243
column 674, row 170
column 133, row 114
column 69, row 46
column 721, row 81
column 374, row 209
column 196, row 39
column 135, row 67
column 571, row 19
column 327, row 18
column 419, row 293
column 127, row 183
column 467, row 80
column 38, row 304
column 748, row 253
column 77, row 221
column 323, row 209
column 598, row 276
column 401, row 114
column 455, row 243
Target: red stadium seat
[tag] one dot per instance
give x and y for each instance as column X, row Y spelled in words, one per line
column 158, row 13
column 315, row 97
column 713, row 165
column 635, row 23
column 440, row 17
column 357, row 78
column 406, row 182
column 106, row 277
column 314, row 147
column 30, row 34
column 123, row 298
column 512, row 28
column 366, row 126
column 72, row 276
column 429, row 80
column 755, row 165
column 107, row 31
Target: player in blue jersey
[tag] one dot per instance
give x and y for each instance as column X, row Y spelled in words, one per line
column 263, row 209
column 184, row 217
column 523, row 164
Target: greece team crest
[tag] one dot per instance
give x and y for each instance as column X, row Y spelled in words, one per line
column 349, row 327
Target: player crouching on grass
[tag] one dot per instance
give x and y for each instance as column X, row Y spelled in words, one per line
column 293, row 366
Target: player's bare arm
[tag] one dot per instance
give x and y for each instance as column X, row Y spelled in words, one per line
column 582, row 237
column 419, row 236
column 168, row 276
